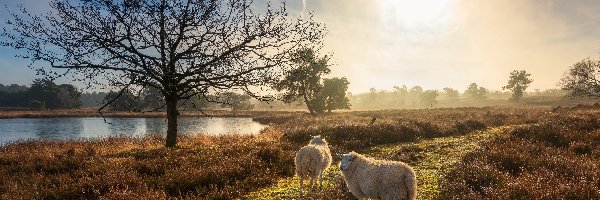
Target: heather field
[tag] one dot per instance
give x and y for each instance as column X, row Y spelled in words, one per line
column 460, row 153
column 557, row 158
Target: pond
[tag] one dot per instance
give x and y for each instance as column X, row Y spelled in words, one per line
column 94, row 127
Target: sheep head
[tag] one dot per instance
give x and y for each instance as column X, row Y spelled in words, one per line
column 346, row 160
column 317, row 140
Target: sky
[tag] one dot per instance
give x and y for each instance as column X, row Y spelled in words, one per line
column 431, row 43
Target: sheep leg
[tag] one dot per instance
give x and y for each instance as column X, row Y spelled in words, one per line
column 321, row 181
column 301, row 180
column 311, row 184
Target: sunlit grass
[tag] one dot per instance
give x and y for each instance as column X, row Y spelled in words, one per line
column 430, row 158
column 554, row 159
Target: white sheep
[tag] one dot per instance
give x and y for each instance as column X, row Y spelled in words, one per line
column 378, row 179
column 312, row 160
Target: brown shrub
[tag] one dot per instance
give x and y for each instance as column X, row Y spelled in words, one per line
column 550, row 160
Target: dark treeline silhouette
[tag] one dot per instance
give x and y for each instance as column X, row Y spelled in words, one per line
column 43, row 94
column 92, row 99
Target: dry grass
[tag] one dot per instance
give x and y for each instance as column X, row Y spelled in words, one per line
column 554, row 159
column 353, row 130
column 127, row 168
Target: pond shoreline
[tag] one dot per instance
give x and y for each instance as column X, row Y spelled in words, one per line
column 7, row 114
column 64, row 128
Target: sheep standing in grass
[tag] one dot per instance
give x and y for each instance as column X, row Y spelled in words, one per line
column 312, row 160
column 379, row 179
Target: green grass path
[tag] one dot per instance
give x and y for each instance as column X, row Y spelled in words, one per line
column 430, row 158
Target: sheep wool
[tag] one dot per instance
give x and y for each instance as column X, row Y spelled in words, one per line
column 378, row 179
column 312, row 160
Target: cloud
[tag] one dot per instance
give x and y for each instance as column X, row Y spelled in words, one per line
column 479, row 41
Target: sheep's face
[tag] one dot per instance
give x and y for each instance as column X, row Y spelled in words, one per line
column 317, row 140
column 346, row 161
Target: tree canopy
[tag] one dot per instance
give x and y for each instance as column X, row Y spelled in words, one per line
column 183, row 48
column 451, row 93
column 428, row 98
column 304, row 82
column 517, row 83
column 334, row 93
column 582, row 79
column 476, row 92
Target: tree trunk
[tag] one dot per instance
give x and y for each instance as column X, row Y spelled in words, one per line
column 309, row 105
column 172, row 115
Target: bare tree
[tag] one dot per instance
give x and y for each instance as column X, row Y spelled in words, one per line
column 181, row 47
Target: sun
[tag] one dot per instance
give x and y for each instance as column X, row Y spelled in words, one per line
column 417, row 15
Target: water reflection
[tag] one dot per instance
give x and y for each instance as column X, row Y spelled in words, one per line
column 57, row 128
column 67, row 128
column 155, row 126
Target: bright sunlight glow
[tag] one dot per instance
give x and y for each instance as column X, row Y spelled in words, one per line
column 417, row 15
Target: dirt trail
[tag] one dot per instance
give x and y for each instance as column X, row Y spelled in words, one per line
column 429, row 158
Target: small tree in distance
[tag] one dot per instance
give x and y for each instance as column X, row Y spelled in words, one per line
column 583, row 79
column 476, row 92
column 451, row 93
column 428, row 97
column 414, row 95
column 517, row 83
column 235, row 101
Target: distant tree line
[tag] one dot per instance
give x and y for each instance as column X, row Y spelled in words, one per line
column 43, row 94
column 302, row 88
column 402, row 97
